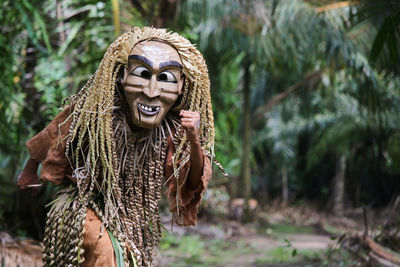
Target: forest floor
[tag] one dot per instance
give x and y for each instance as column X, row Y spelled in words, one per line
column 286, row 236
column 281, row 236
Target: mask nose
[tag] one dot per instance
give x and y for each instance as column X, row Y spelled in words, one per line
column 152, row 89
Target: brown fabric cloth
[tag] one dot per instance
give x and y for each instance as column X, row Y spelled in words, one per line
column 48, row 148
column 189, row 201
column 97, row 244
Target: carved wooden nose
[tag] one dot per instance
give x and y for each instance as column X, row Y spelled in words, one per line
column 152, row 90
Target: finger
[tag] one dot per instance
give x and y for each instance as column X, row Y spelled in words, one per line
column 194, row 118
column 188, row 126
column 188, row 119
column 182, row 112
column 186, row 113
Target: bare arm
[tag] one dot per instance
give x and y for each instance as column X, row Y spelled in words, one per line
column 191, row 123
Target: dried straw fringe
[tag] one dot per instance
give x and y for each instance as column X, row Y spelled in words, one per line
column 64, row 230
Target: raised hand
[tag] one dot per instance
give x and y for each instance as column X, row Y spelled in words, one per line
column 190, row 121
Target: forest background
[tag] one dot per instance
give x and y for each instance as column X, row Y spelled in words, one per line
column 306, row 95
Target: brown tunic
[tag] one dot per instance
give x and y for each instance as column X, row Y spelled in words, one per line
column 48, row 148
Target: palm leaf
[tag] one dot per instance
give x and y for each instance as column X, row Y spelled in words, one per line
column 380, row 39
column 28, row 24
column 40, row 22
column 117, row 250
column 133, row 259
column 70, row 38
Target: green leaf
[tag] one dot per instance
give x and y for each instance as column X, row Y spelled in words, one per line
column 121, row 256
column 294, row 252
column 70, row 38
column 42, row 25
column 28, row 24
column 40, row 22
column 288, row 243
column 117, row 250
column 392, row 42
column 133, row 259
column 380, row 39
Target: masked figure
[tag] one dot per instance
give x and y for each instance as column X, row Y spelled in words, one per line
column 142, row 122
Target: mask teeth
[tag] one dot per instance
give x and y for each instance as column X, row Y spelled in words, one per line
column 148, row 108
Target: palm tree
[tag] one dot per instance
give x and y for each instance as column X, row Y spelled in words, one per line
column 296, row 50
column 384, row 18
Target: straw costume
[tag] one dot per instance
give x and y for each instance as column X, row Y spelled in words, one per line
column 114, row 165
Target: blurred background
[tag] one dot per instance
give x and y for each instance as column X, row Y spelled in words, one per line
column 306, row 98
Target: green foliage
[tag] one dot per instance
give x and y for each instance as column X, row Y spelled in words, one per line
column 225, row 96
column 384, row 19
column 190, row 248
column 336, row 73
column 339, row 257
column 287, row 255
column 335, row 102
column 39, row 73
column 284, row 229
column 193, row 250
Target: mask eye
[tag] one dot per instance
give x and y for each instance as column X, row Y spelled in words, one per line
column 142, row 72
column 166, row 76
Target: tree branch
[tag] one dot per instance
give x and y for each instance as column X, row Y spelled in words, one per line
column 260, row 112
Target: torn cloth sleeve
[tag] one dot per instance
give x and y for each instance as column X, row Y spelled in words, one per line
column 185, row 211
column 48, row 148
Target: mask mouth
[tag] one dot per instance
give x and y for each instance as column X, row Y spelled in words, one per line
column 148, row 110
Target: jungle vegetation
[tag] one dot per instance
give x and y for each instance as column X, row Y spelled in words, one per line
column 306, row 93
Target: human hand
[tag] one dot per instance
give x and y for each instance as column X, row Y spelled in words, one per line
column 191, row 123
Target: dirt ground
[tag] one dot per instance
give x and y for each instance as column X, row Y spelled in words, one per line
column 285, row 236
column 291, row 236
column 259, row 245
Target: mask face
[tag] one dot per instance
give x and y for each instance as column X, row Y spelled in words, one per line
column 152, row 82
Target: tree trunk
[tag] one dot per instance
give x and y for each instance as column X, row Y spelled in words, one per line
column 166, row 12
column 33, row 105
column 116, row 14
column 36, row 122
column 63, row 37
column 285, row 186
column 246, row 171
column 338, row 201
